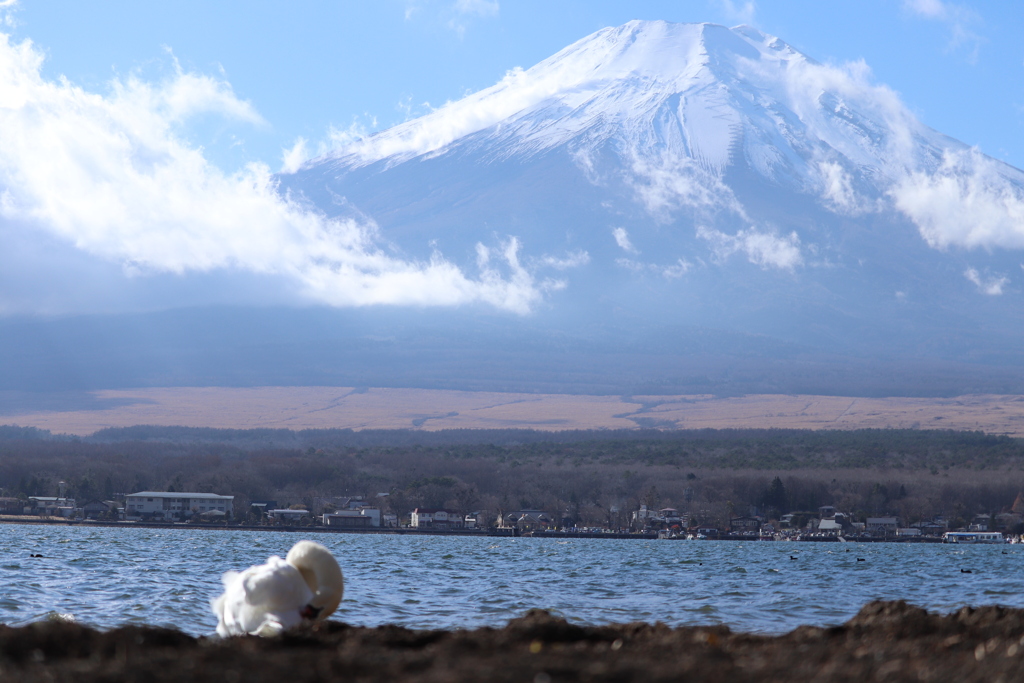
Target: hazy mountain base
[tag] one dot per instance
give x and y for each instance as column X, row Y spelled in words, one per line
column 885, row 641
column 474, row 351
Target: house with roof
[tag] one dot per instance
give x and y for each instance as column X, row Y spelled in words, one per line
column 527, row 520
column 981, row 522
column 427, row 518
column 934, row 527
column 362, row 518
column 172, row 505
column 97, row 509
column 739, row 525
column 476, row 520
column 882, row 526
column 830, row 526
column 52, row 506
column 643, row 516
column 288, row 515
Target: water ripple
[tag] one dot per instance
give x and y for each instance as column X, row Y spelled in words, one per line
column 108, row 577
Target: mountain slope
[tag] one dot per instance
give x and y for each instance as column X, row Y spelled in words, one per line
column 661, row 173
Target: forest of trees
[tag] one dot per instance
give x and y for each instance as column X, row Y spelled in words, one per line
column 593, row 478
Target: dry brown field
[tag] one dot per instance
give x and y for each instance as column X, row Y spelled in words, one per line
column 379, row 408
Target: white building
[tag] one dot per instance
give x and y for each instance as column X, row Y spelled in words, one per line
column 363, row 517
column 287, row 515
column 830, row 526
column 422, row 517
column 171, row 504
column 643, row 515
column 475, row 520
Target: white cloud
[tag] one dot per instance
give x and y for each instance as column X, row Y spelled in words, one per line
column 292, row 159
column 956, row 196
column 516, row 91
column 666, row 182
column 464, row 10
column 932, row 9
column 958, row 18
column 340, row 137
column 113, row 175
column 767, row 250
column 622, row 239
column 480, row 8
column 823, row 96
column 743, row 12
column 838, row 190
column 671, row 272
column 573, row 259
column 966, row 202
column 677, row 269
column 991, row 285
column 457, row 15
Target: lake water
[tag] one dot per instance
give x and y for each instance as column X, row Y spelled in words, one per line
column 107, row 577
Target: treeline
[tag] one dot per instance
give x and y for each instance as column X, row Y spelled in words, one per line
column 751, row 447
column 594, row 477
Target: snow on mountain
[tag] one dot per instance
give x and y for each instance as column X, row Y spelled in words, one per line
column 695, row 173
column 683, row 102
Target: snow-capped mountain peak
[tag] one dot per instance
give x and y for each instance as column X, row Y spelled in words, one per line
column 698, row 91
column 689, row 152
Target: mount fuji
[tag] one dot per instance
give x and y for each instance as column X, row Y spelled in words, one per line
column 658, row 207
column 660, row 176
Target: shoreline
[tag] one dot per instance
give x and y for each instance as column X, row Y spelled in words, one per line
column 885, row 641
column 494, row 532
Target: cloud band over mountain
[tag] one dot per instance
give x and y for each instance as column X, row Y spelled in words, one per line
column 113, row 175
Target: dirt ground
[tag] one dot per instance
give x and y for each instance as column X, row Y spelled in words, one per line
column 886, row 641
column 427, row 409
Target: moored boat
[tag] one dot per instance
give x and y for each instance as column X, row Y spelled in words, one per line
column 973, row 537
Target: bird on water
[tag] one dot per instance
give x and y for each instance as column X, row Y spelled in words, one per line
column 267, row 599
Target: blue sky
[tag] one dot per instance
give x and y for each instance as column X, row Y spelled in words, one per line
column 312, row 67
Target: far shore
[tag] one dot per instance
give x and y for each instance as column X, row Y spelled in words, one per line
column 394, row 531
column 408, row 531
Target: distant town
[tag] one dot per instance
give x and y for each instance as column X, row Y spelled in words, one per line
column 867, row 485
column 356, row 513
